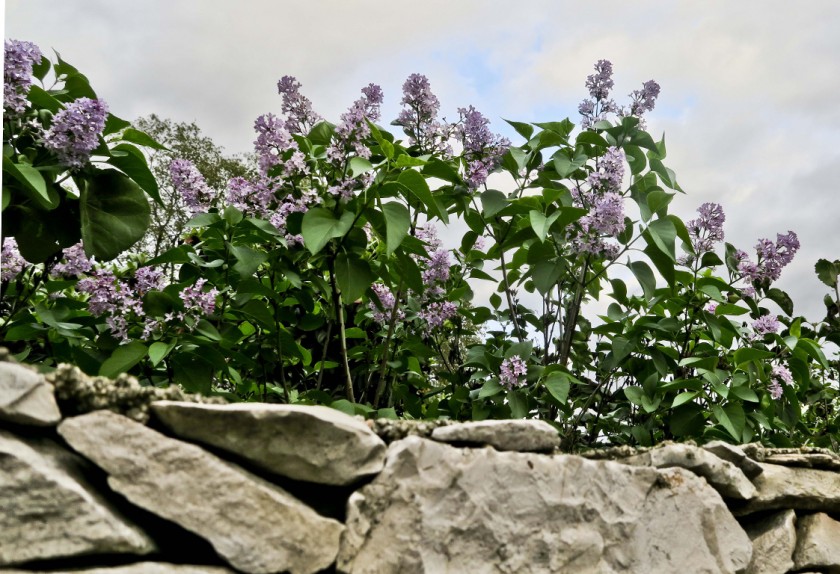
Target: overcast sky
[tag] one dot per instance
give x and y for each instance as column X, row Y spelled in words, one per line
column 749, row 101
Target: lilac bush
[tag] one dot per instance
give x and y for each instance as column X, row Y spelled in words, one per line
column 19, row 58
column 76, row 130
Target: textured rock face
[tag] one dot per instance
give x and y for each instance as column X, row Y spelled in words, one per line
column 439, row 509
column 734, row 455
column 516, row 435
column 255, row 526
column 25, row 397
column 818, row 543
column 138, row 568
column 773, row 539
column 790, row 487
column 312, row 443
column 49, row 511
column 724, row 476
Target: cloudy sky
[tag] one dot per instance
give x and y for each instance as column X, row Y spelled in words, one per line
column 749, row 100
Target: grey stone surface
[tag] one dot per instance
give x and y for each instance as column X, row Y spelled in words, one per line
column 257, row 527
column 439, row 509
column 774, row 539
column 780, row 487
column 137, row 568
column 517, row 435
column 48, row 510
column 724, row 476
column 25, row 397
column 735, row 455
column 311, row 443
column 817, row 543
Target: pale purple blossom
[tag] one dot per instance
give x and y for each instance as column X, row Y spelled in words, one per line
column 419, row 117
column 189, row 182
column 249, row 197
column 148, row 279
column 775, row 389
column 766, row 325
column 609, row 174
column 778, row 375
column 599, row 85
column 19, row 57
column 198, row 302
column 772, row 258
column 644, row 100
column 382, row 313
column 606, row 215
column 351, row 133
column 74, row 262
column 76, row 130
column 11, row 261
column 437, row 268
column 298, row 109
column 113, row 298
column 707, row 230
column 512, row 372
column 436, row 313
column 272, row 143
column 711, row 307
column 483, row 150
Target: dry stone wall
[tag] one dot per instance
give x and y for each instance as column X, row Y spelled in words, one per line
column 107, row 477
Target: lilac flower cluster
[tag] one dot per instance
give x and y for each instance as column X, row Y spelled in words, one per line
column 512, row 372
column 706, row 230
column 779, row 374
column 19, row 57
column 111, row 297
column 609, row 174
column 382, row 312
column 74, row 262
column 436, row 313
column 644, row 100
column 351, row 133
column 599, row 85
column 298, row 109
column 419, row 117
column 772, row 258
column 190, row 184
column 275, row 146
column 766, row 325
column 197, row 302
column 148, row 279
column 11, row 261
column 483, row 150
column 605, row 204
column 76, row 130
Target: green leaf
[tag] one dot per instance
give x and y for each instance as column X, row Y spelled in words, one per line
column 113, row 124
column 658, row 199
column 490, row 388
column 192, row 372
column 732, row 418
column 353, row 275
column 397, row 224
column 518, row 404
column 645, row 276
column 43, row 100
column 523, row 129
column 320, row 225
column 683, row 398
column 635, row 395
column 33, row 183
column 134, row 165
column 662, row 234
column 442, row 170
column 358, row 165
column 322, row 133
column 541, row 224
column 417, row 185
column 123, row 358
column 546, row 274
column 114, row 214
column 827, row 271
column 781, row 299
column 248, row 260
column 749, row 354
column 565, row 165
column 558, row 385
column 492, row 202
column 687, row 420
column 744, row 393
column 158, row 352
column 142, row 138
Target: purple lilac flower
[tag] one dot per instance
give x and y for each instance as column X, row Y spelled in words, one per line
column 19, row 57
column 606, row 215
column 351, row 133
column 198, row 302
column 250, row 197
column 298, row 108
column 273, row 143
column 435, row 314
column 12, row 262
column 428, row 234
column 707, row 230
column 775, row 389
column 148, row 279
column 111, row 297
column 512, row 372
column 483, row 150
column 437, row 268
column 74, row 264
column 766, row 325
column 189, row 182
column 76, row 130
column 419, row 117
column 779, row 374
column 599, row 85
column 644, row 100
column 712, row 307
column 772, row 258
column 387, row 301
column 610, row 172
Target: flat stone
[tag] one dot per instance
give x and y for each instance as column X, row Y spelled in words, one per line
column 437, row 508
column 523, row 435
column 257, row 527
column 137, row 568
column 25, row 397
column 817, row 543
column 310, row 443
column 48, row 509
column 722, row 475
column 773, row 539
column 782, row 487
column 734, row 455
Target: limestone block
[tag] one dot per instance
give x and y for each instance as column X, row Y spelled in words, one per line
column 310, row 443
column 138, row 568
column 516, row 435
column 439, row 509
column 25, row 397
column 48, row 510
column 734, row 455
column 257, row 527
column 782, row 487
column 773, row 539
column 817, row 543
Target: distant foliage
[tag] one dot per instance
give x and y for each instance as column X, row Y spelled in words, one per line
column 319, row 277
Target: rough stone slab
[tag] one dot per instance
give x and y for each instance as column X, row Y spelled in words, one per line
column 257, row 527
column 734, row 455
column 817, row 543
column 310, row 443
column 26, row 398
column 138, row 568
column 436, row 508
column 722, row 475
column 773, row 539
column 517, row 435
column 781, row 487
column 48, row 510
